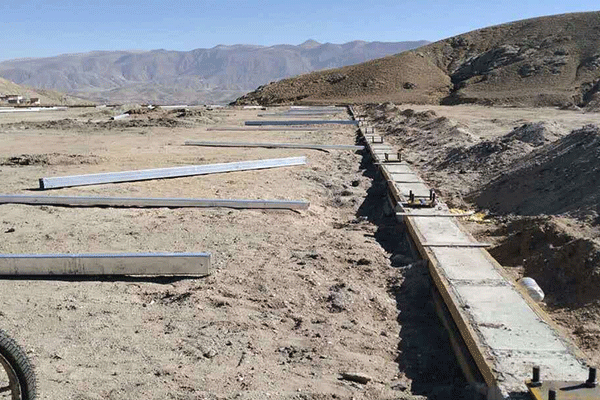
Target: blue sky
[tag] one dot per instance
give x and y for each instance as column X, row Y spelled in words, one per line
column 38, row 28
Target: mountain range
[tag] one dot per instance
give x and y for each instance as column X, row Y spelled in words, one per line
column 215, row 75
column 545, row 61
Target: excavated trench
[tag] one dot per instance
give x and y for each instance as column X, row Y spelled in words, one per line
column 425, row 354
column 540, row 189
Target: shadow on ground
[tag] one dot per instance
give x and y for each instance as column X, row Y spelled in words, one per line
column 425, row 356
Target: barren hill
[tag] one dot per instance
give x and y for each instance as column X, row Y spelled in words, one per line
column 219, row 74
column 546, row 61
column 47, row 97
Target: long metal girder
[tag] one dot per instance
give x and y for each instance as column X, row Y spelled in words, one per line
column 276, row 145
column 303, row 122
column 160, row 173
column 177, row 264
column 265, row 129
column 88, row 201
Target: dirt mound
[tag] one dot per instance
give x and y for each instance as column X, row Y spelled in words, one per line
column 563, row 256
column 423, row 133
column 561, row 177
column 492, row 157
column 547, row 61
column 50, row 159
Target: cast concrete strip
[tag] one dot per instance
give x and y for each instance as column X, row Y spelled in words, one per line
column 150, row 202
column 303, row 122
column 434, row 214
column 177, row 264
column 276, row 145
column 456, row 244
column 505, row 331
column 161, row 173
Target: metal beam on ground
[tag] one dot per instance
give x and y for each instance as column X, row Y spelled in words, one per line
column 300, row 113
column 276, row 145
column 303, row 122
column 161, row 173
column 149, row 202
column 264, row 129
column 176, row 264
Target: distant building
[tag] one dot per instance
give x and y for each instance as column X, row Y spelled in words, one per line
column 15, row 99
column 18, row 99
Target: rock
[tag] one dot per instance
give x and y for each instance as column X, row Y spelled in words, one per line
column 210, row 353
column 356, row 377
column 401, row 260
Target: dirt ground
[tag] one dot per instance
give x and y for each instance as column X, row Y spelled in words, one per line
column 295, row 299
column 532, row 175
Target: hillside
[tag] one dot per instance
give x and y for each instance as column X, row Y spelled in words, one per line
column 47, row 97
column 546, row 61
column 219, row 74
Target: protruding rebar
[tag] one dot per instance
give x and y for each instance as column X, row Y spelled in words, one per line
column 535, row 379
column 591, row 381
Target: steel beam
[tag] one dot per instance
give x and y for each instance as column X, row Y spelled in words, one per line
column 150, row 202
column 178, row 264
column 160, row 173
column 264, row 129
column 276, row 145
column 303, row 122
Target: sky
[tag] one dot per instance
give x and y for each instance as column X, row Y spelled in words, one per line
column 41, row 28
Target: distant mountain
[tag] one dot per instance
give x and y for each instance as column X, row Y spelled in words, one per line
column 212, row 75
column 545, row 61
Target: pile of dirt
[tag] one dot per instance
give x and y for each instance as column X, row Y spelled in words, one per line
column 547, row 61
column 493, row 157
column 559, row 178
column 562, row 255
column 49, row 159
